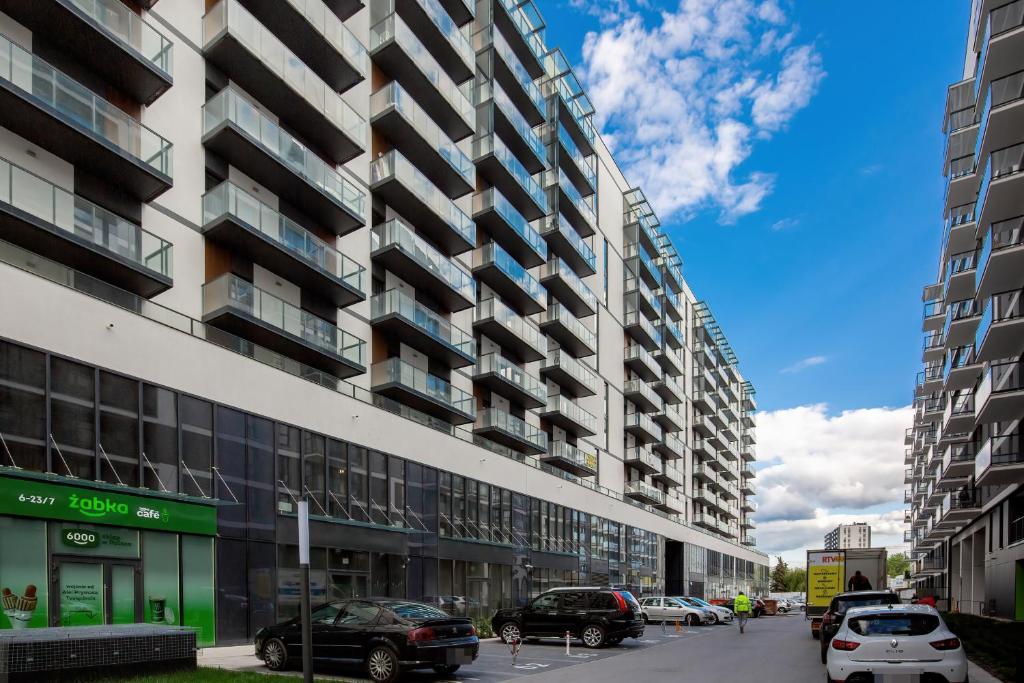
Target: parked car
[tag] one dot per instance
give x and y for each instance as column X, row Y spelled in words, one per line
column 382, row 635
column 660, row 609
column 889, row 642
column 597, row 616
column 721, row 614
column 757, row 607
column 833, row 617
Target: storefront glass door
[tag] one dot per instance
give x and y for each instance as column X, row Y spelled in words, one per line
column 95, row 592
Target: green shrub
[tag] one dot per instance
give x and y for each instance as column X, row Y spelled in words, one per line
column 483, row 627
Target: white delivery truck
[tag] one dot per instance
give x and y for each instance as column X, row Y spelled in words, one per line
column 829, row 572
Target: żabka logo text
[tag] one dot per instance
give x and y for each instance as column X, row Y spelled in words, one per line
column 97, row 507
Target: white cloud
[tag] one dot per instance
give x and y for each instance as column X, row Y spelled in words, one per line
column 784, row 224
column 685, row 100
column 817, row 466
column 803, row 363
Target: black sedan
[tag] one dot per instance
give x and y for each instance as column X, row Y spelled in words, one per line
column 383, row 635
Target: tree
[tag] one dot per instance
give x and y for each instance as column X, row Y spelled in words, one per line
column 778, row 577
column 897, row 564
column 796, row 580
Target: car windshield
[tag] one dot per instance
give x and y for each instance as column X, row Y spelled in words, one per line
column 697, row 601
column 843, row 604
column 689, row 601
column 894, row 624
column 416, row 611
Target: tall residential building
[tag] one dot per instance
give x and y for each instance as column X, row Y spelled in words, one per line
column 856, row 535
column 371, row 254
column 964, row 463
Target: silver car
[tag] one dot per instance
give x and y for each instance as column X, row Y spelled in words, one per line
column 722, row 615
column 662, row 609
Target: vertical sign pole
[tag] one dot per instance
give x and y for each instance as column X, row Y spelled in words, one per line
column 307, row 627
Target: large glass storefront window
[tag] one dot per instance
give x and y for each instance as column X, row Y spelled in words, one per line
column 73, row 418
column 22, row 408
column 119, row 430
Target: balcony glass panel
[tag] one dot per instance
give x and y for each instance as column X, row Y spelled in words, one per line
column 505, row 316
column 73, row 101
column 397, row 233
column 642, row 488
column 558, row 267
column 229, row 106
column 1001, row 163
column 492, row 144
column 572, row 323
column 130, row 29
column 261, row 41
column 583, row 204
column 442, row 21
column 393, row 164
column 575, row 369
column 392, row 95
column 638, row 386
column 491, row 198
column 511, row 373
column 395, row 302
column 491, row 90
column 493, row 418
column 644, row 457
column 561, row 404
column 578, row 105
column 231, row 291
column 645, row 422
column 492, row 253
column 636, row 318
column 1006, row 18
column 392, row 27
column 82, row 219
column 559, row 224
column 585, row 163
column 631, row 250
column 508, row 56
column 229, row 199
column 635, row 284
column 561, row 449
column 397, row 371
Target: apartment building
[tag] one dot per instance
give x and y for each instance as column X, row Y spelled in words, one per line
column 856, row 535
column 373, row 255
column 964, row 465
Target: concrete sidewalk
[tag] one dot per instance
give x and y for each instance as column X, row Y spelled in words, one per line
column 243, row 658
column 979, row 675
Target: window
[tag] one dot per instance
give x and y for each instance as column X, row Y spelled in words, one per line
column 358, row 613
column 289, row 468
column 357, row 484
column 605, row 272
column 378, row 488
column 337, row 479
column 73, row 418
column 326, row 614
column 445, row 502
column 396, row 491
column 259, row 437
column 196, row 446
column 548, row 601
column 574, row 600
column 313, row 469
column 119, row 429
column 231, row 465
column 23, row 407
column 894, row 624
column 160, row 438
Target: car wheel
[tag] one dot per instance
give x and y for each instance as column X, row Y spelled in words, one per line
column 593, row 636
column 647, row 619
column 446, row 669
column 510, row 631
column 718, row 620
column 382, row 665
column 692, row 620
column 275, row 655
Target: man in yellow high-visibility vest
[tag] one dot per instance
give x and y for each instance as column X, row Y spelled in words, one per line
column 741, row 606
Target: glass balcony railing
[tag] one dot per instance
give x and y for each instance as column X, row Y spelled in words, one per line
column 957, row 358
column 961, row 263
column 230, row 291
column 230, row 106
column 575, row 369
column 644, row 422
column 639, row 353
column 562, row 405
column 393, row 28
column 961, row 310
column 579, row 113
column 492, row 199
column 394, row 165
column 933, row 309
column 492, row 36
column 633, row 250
column 492, row 144
column 492, row 254
column 395, row 233
column 637, row 319
column 490, row 90
column 81, row 219
column 561, row 225
column 494, row 418
column 392, row 95
column 441, row 21
column 637, row 285
column 642, row 488
column 229, row 199
column 999, row 236
column 641, row 456
column 583, row 205
column 1000, row 451
column 559, row 268
column 999, row 308
column 511, row 373
column 116, row 18
column 1001, row 163
column 586, row 164
column 644, row 390
column 522, row 327
column 230, row 16
column 82, row 108
column 569, row 453
column 395, row 302
column 397, row 371
column 962, row 166
column 673, row 334
column 558, row 313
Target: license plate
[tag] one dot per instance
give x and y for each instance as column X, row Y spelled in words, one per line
column 459, row 655
column 901, row 678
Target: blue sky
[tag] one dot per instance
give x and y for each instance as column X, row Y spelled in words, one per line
column 793, row 149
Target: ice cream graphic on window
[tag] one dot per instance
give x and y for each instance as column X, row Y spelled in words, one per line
column 19, row 609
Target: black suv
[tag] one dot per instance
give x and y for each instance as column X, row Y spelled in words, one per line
column 833, row 617
column 597, row 616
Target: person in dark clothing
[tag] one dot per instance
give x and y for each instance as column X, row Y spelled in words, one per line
column 858, row 582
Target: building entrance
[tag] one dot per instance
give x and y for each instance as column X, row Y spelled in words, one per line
column 95, row 591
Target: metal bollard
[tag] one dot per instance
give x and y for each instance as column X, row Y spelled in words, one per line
column 678, row 627
column 663, row 629
column 567, row 637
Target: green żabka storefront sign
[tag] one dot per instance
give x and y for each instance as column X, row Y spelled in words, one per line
column 45, row 500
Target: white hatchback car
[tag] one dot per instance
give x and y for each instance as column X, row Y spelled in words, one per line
column 895, row 643
column 722, row 615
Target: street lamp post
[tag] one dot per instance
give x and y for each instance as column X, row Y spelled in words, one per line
column 307, row 627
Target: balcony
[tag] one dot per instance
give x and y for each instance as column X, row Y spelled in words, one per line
column 571, row 459
column 505, row 378
column 506, row 276
column 581, row 169
column 404, row 187
column 642, row 395
column 670, row 390
column 1001, row 260
column 407, row 125
column 395, row 246
column 1001, row 117
column 960, row 276
column 671, row 273
column 254, row 58
column 702, row 425
column 513, row 77
column 49, row 220
column 961, row 180
column 421, row 328
column 934, row 316
column 672, row 335
column 509, row 430
column 670, row 419
column 509, row 228
column 1000, row 33
column 705, row 520
column 574, row 107
column 580, row 211
column 232, row 304
column 704, row 473
column 959, row 230
column 61, row 115
column 961, row 322
column 566, row 286
column 1000, row 461
column 642, row 330
column 643, row 460
column 671, row 304
column 500, row 167
column 934, row 347
column 748, row 453
column 961, row 370
column 572, row 376
column 562, row 412
column 747, row 487
column 512, row 332
column 570, row 333
column 639, row 360
column 236, row 219
column 461, row 11
column 567, row 244
column 497, row 113
column 645, row 493
column 958, row 416
column 108, row 38
column 999, row 333
column 641, row 226
column 959, row 507
column 395, row 48
column 414, row 387
column 747, row 523
column 1001, row 185
column 748, row 540
column 639, row 297
column 643, row 428
column 671, row 447
column 437, row 30
column 671, row 361
column 957, row 465
column 1000, row 396
column 243, row 136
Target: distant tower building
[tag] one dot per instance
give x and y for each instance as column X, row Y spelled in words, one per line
column 857, row 535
